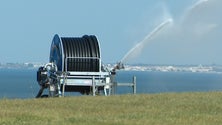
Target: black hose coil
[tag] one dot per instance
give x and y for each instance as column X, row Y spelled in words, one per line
column 81, row 54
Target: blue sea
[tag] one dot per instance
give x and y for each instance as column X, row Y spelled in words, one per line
column 21, row 83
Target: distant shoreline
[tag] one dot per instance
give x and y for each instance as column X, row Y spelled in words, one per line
column 133, row 67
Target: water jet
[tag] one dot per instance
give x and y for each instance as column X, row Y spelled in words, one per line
column 139, row 46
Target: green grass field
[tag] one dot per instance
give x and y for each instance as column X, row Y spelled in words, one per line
column 150, row 109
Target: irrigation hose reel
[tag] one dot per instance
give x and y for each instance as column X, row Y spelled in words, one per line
column 75, row 66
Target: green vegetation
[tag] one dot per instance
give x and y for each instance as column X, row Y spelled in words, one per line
column 151, row 109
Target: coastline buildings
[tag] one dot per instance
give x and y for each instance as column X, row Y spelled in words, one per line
column 139, row 67
column 174, row 68
column 20, row 65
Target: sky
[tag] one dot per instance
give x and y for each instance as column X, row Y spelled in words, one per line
column 194, row 36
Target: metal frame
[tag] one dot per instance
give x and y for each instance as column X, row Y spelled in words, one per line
column 95, row 80
column 91, row 79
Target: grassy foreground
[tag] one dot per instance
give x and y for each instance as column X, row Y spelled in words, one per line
column 153, row 109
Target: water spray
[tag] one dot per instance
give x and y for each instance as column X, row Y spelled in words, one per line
column 189, row 10
column 198, row 3
column 146, row 39
column 139, row 46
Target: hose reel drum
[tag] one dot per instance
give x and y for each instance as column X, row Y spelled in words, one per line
column 76, row 54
